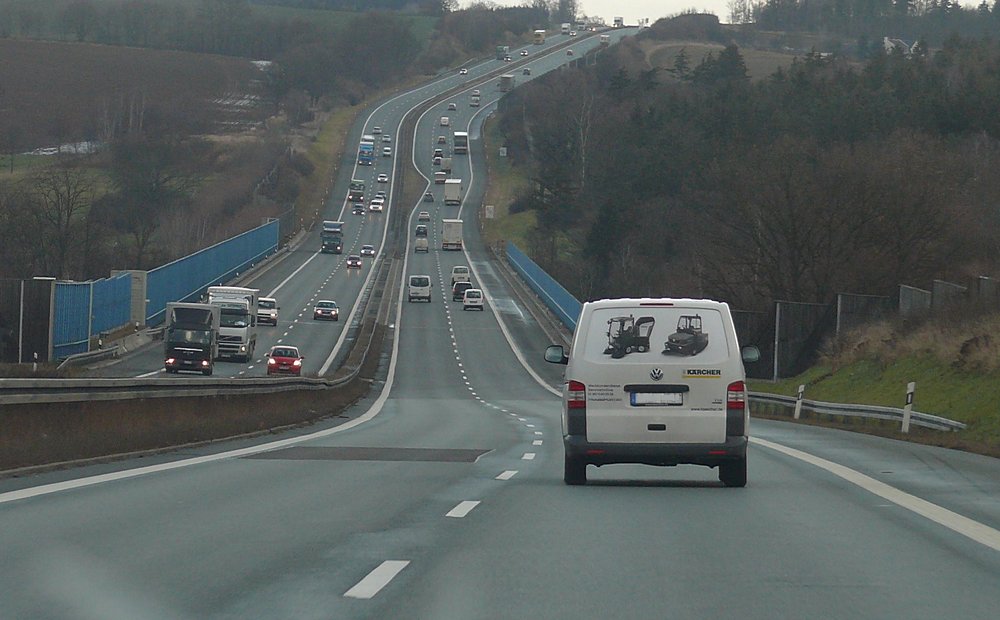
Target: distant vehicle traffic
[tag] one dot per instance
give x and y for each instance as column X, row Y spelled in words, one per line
column 452, row 106
column 473, row 299
column 332, row 237
column 460, row 273
column 238, row 320
column 524, row 52
column 386, row 151
column 463, row 71
column 445, row 121
column 419, row 288
column 424, row 216
column 284, row 360
column 358, row 209
column 451, row 238
column 367, row 250
column 354, row 262
column 461, row 140
column 326, row 310
column 267, row 310
column 382, row 178
column 458, row 290
column 191, row 337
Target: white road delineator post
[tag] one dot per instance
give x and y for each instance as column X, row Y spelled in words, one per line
column 910, row 388
column 798, row 402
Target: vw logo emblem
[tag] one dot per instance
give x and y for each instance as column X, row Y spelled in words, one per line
column 656, row 374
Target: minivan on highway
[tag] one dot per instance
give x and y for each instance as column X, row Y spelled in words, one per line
column 656, row 382
column 419, row 287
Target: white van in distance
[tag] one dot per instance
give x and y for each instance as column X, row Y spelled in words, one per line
column 419, row 288
column 656, row 382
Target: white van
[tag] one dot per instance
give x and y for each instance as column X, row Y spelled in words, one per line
column 460, row 273
column 445, row 121
column 657, row 382
column 420, row 245
column 419, row 288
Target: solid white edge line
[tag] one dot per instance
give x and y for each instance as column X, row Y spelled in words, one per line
column 462, row 509
column 377, row 579
column 980, row 533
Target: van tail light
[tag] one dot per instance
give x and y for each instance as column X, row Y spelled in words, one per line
column 736, row 396
column 576, row 395
column 736, row 404
column 576, row 408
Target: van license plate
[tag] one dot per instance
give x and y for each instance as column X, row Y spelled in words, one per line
column 641, row 399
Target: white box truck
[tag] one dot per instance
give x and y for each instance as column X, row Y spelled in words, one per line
column 564, row 28
column 453, row 192
column 238, row 327
column 451, row 235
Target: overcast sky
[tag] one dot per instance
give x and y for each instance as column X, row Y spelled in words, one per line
column 633, row 10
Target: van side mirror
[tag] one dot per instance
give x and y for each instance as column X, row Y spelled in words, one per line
column 554, row 354
column 750, row 354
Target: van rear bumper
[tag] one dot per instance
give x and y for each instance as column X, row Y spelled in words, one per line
column 708, row 454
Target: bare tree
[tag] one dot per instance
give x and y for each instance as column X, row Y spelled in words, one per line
column 63, row 192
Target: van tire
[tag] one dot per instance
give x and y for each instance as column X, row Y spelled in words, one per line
column 734, row 474
column 574, row 471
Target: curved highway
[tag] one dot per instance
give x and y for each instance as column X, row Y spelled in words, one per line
column 441, row 496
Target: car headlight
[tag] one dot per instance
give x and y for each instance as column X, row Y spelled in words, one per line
column 297, row 363
column 271, row 361
column 170, row 361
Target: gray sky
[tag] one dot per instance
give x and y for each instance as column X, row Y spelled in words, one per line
column 632, row 10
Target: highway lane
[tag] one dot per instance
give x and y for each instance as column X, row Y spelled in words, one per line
column 381, row 520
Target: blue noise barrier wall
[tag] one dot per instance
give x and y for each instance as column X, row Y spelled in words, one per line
column 557, row 298
column 186, row 278
column 85, row 309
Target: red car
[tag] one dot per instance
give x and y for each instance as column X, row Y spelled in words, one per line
column 284, row 360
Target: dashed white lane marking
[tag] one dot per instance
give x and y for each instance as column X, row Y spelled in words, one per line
column 982, row 534
column 377, row 579
column 462, row 509
column 536, row 442
column 507, row 475
column 530, row 425
column 528, row 456
column 538, row 432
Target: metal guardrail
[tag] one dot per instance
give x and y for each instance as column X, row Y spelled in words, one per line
column 80, row 359
column 35, row 391
column 917, row 418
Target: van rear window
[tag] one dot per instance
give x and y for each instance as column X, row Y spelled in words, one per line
column 420, row 281
column 657, row 335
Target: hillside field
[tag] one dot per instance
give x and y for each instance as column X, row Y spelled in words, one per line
column 56, row 93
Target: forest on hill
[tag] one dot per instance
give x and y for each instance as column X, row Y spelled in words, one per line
column 828, row 176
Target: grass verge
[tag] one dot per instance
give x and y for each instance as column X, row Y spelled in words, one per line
column 943, row 390
column 504, row 183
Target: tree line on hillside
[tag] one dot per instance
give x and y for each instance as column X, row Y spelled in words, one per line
column 141, row 202
column 825, row 177
column 867, row 20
